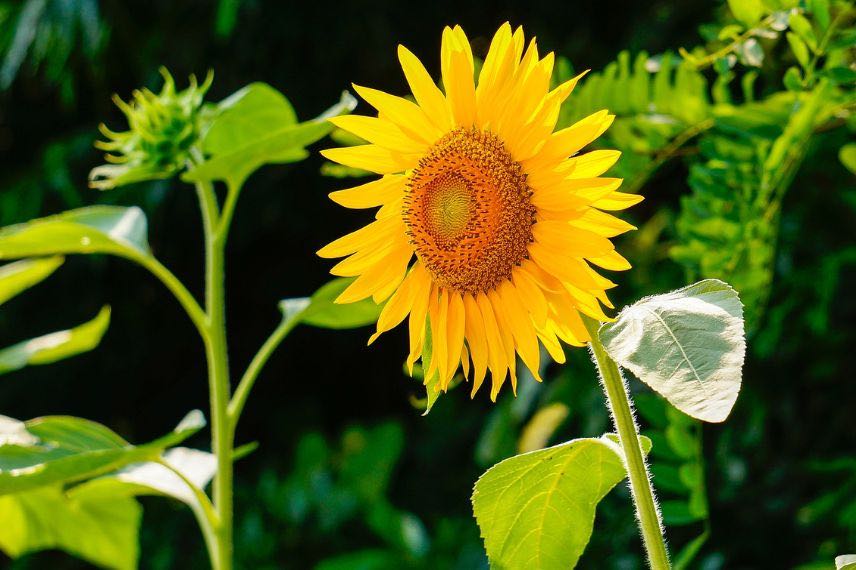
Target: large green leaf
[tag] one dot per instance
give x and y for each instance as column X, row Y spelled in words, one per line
column 65, row 449
column 687, row 345
column 536, row 510
column 153, row 478
column 240, row 143
column 324, row 312
column 20, row 276
column 56, row 346
column 97, row 229
column 245, row 116
column 101, row 530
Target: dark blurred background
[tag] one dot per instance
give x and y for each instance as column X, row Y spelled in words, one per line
column 346, row 463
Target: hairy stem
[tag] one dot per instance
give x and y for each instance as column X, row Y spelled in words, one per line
column 628, row 434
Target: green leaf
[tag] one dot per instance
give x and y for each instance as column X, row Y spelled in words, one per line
column 56, row 346
column 678, row 513
column 67, row 449
column 232, row 161
column 324, row 312
column 97, row 229
column 799, row 48
column 845, row 562
column 102, row 531
column 840, row 75
column 17, row 277
column 793, row 79
column 246, row 116
column 537, row 510
column 153, row 478
column 847, row 155
column 803, row 29
column 748, row 12
column 687, row 345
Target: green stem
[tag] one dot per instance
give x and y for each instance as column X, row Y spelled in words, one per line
column 236, row 406
column 222, row 436
column 628, row 434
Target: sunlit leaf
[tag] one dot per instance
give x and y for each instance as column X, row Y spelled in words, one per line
column 20, row 276
column 324, row 312
column 246, row 116
column 687, row 345
column 799, row 48
column 845, row 562
column 232, row 160
column 68, row 449
column 537, row 510
column 748, row 12
column 56, row 346
column 847, row 155
column 102, row 531
column 97, row 229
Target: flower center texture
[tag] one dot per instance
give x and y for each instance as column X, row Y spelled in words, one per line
column 469, row 212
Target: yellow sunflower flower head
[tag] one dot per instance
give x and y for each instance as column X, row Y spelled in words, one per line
column 503, row 216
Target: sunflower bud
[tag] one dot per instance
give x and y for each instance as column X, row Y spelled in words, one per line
column 162, row 129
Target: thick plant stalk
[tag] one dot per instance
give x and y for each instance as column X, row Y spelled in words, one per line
column 222, row 435
column 618, row 400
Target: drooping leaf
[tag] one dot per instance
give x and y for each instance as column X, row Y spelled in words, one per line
column 97, row 229
column 687, row 345
column 153, row 478
column 845, row 562
column 324, row 312
column 56, row 346
column 68, row 449
column 232, row 160
column 20, row 276
column 537, row 510
column 102, row 531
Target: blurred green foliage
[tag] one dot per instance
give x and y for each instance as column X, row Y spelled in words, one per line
column 742, row 146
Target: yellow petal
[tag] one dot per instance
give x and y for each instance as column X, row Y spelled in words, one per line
column 601, row 223
column 569, row 240
column 425, row 91
column 531, row 295
column 368, row 236
column 407, row 115
column 496, row 349
column 399, row 305
column 371, row 194
column 365, row 259
column 521, row 328
column 457, row 68
column 455, row 323
column 477, row 341
column 618, row 201
column 612, row 261
column 370, row 157
column 594, row 163
column 565, row 268
column 418, row 314
column 380, row 132
column 507, row 341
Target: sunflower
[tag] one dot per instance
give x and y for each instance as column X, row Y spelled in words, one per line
column 503, row 216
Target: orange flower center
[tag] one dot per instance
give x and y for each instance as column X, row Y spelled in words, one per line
column 468, row 211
